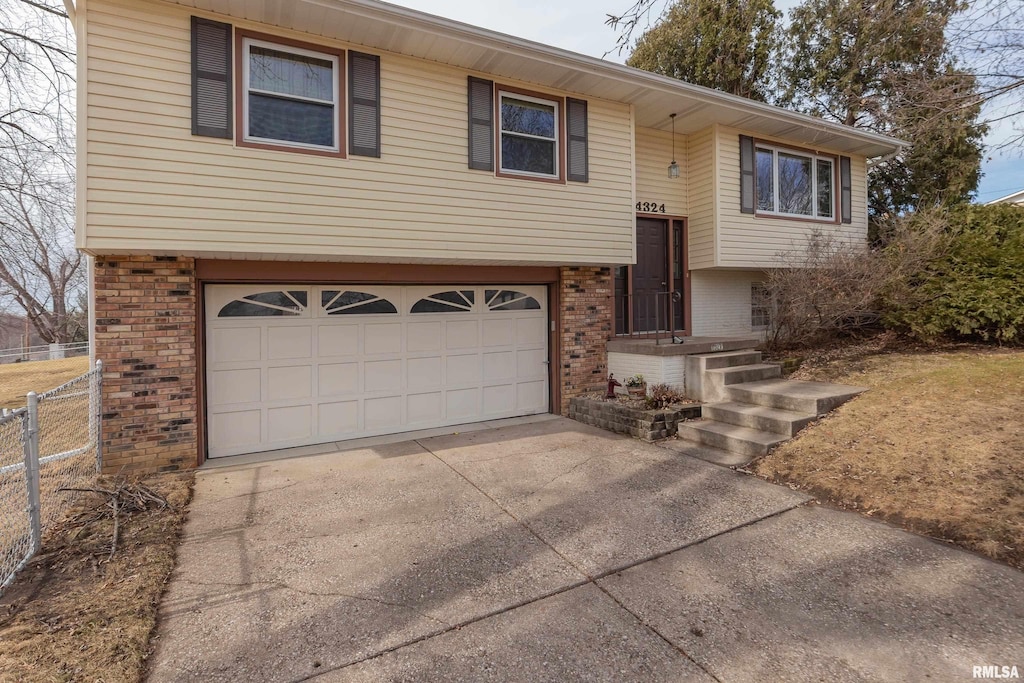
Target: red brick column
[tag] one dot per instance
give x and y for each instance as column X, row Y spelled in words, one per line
column 585, row 302
column 146, row 337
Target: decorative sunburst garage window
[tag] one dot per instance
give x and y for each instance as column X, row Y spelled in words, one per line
column 266, row 303
column 337, row 302
column 446, row 302
column 508, row 300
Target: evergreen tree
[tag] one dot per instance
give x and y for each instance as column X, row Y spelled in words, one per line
column 884, row 65
column 723, row 44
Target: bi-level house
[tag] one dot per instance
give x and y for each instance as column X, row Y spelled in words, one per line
column 313, row 220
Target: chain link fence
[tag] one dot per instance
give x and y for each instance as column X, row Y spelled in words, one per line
column 51, row 444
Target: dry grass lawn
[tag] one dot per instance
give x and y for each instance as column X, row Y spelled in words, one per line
column 74, row 614
column 17, row 379
column 935, row 446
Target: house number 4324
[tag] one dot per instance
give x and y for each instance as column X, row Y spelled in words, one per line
column 650, row 207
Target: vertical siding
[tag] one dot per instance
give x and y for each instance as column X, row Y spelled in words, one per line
column 721, row 301
column 653, row 154
column 749, row 241
column 700, row 171
column 154, row 187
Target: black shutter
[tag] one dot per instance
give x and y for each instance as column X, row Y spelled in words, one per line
column 364, row 104
column 845, row 190
column 576, row 124
column 746, row 174
column 211, row 78
column 481, row 124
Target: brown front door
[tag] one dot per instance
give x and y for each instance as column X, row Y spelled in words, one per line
column 650, row 275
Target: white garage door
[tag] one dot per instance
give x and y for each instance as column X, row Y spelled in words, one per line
column 295, row 365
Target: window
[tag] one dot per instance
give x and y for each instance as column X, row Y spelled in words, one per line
column 792, row 183
column 290, row 96
column 509, row 300
column 266, row 304
column 529, row 135
column 446, row 302
column 337, row 302
column 760, row 306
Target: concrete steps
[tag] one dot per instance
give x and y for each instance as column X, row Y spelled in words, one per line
column 817, row 398
column 749, row 409
column 784, row 422
column 752, row 443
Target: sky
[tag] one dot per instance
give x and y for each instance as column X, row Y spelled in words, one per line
column 579, row 25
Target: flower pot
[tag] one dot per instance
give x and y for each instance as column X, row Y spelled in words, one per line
column 638, row 391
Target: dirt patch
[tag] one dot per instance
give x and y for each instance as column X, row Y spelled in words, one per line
column 17, row 379
column 934, row 446
column 77, row 614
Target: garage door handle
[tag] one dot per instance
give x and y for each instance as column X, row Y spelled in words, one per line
column 546, row 362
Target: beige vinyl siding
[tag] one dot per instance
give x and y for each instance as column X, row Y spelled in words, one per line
column 700, row 170
column 153, row 187
column 653, row 154
column 751, row 241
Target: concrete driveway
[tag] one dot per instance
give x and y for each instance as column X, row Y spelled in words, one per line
column 553, row 551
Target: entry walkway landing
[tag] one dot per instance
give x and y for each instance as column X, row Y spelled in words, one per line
column 553, row 551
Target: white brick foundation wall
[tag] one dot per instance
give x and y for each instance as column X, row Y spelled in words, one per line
column 721, row 301
column 669, row 370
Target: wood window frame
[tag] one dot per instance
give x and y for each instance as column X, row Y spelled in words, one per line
column 560, row 143
column 814, row 155
column 670, row 251
column 241, row 58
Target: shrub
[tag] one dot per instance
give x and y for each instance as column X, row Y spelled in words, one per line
column 975, row 289
column 827, row 289
column 662, row 396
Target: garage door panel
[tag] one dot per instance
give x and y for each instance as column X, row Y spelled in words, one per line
column 236, row 430
column 462, row 404
column 383, row 412
column 532, row 363
column 461, row 334
column 379, row 338
column 423, row 373
column 338, row 419
column 531, row 331
column 289, row 424
column 382, row 375
column 290, row 342
column 428, row 407
column 499, row 399
column 289, row 382
column 236, row 344
column 496, row 333
column 462, row 369
column 423, row 337
column 499, row 365
column 338, row 379
column 531, row 396
column 347, row 361
column 337, row 340
column 236, row 386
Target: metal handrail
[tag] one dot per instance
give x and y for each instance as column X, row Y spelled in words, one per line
column 642, row 309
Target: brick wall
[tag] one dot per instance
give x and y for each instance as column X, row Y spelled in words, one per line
column 585, row 302
column 146, row 337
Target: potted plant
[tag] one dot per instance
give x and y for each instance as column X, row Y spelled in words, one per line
column 636, row 385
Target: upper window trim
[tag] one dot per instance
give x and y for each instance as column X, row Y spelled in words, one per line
column 243, row 39
column 814, row 157
column 539, row 98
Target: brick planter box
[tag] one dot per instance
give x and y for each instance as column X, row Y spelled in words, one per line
column 649, row 425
